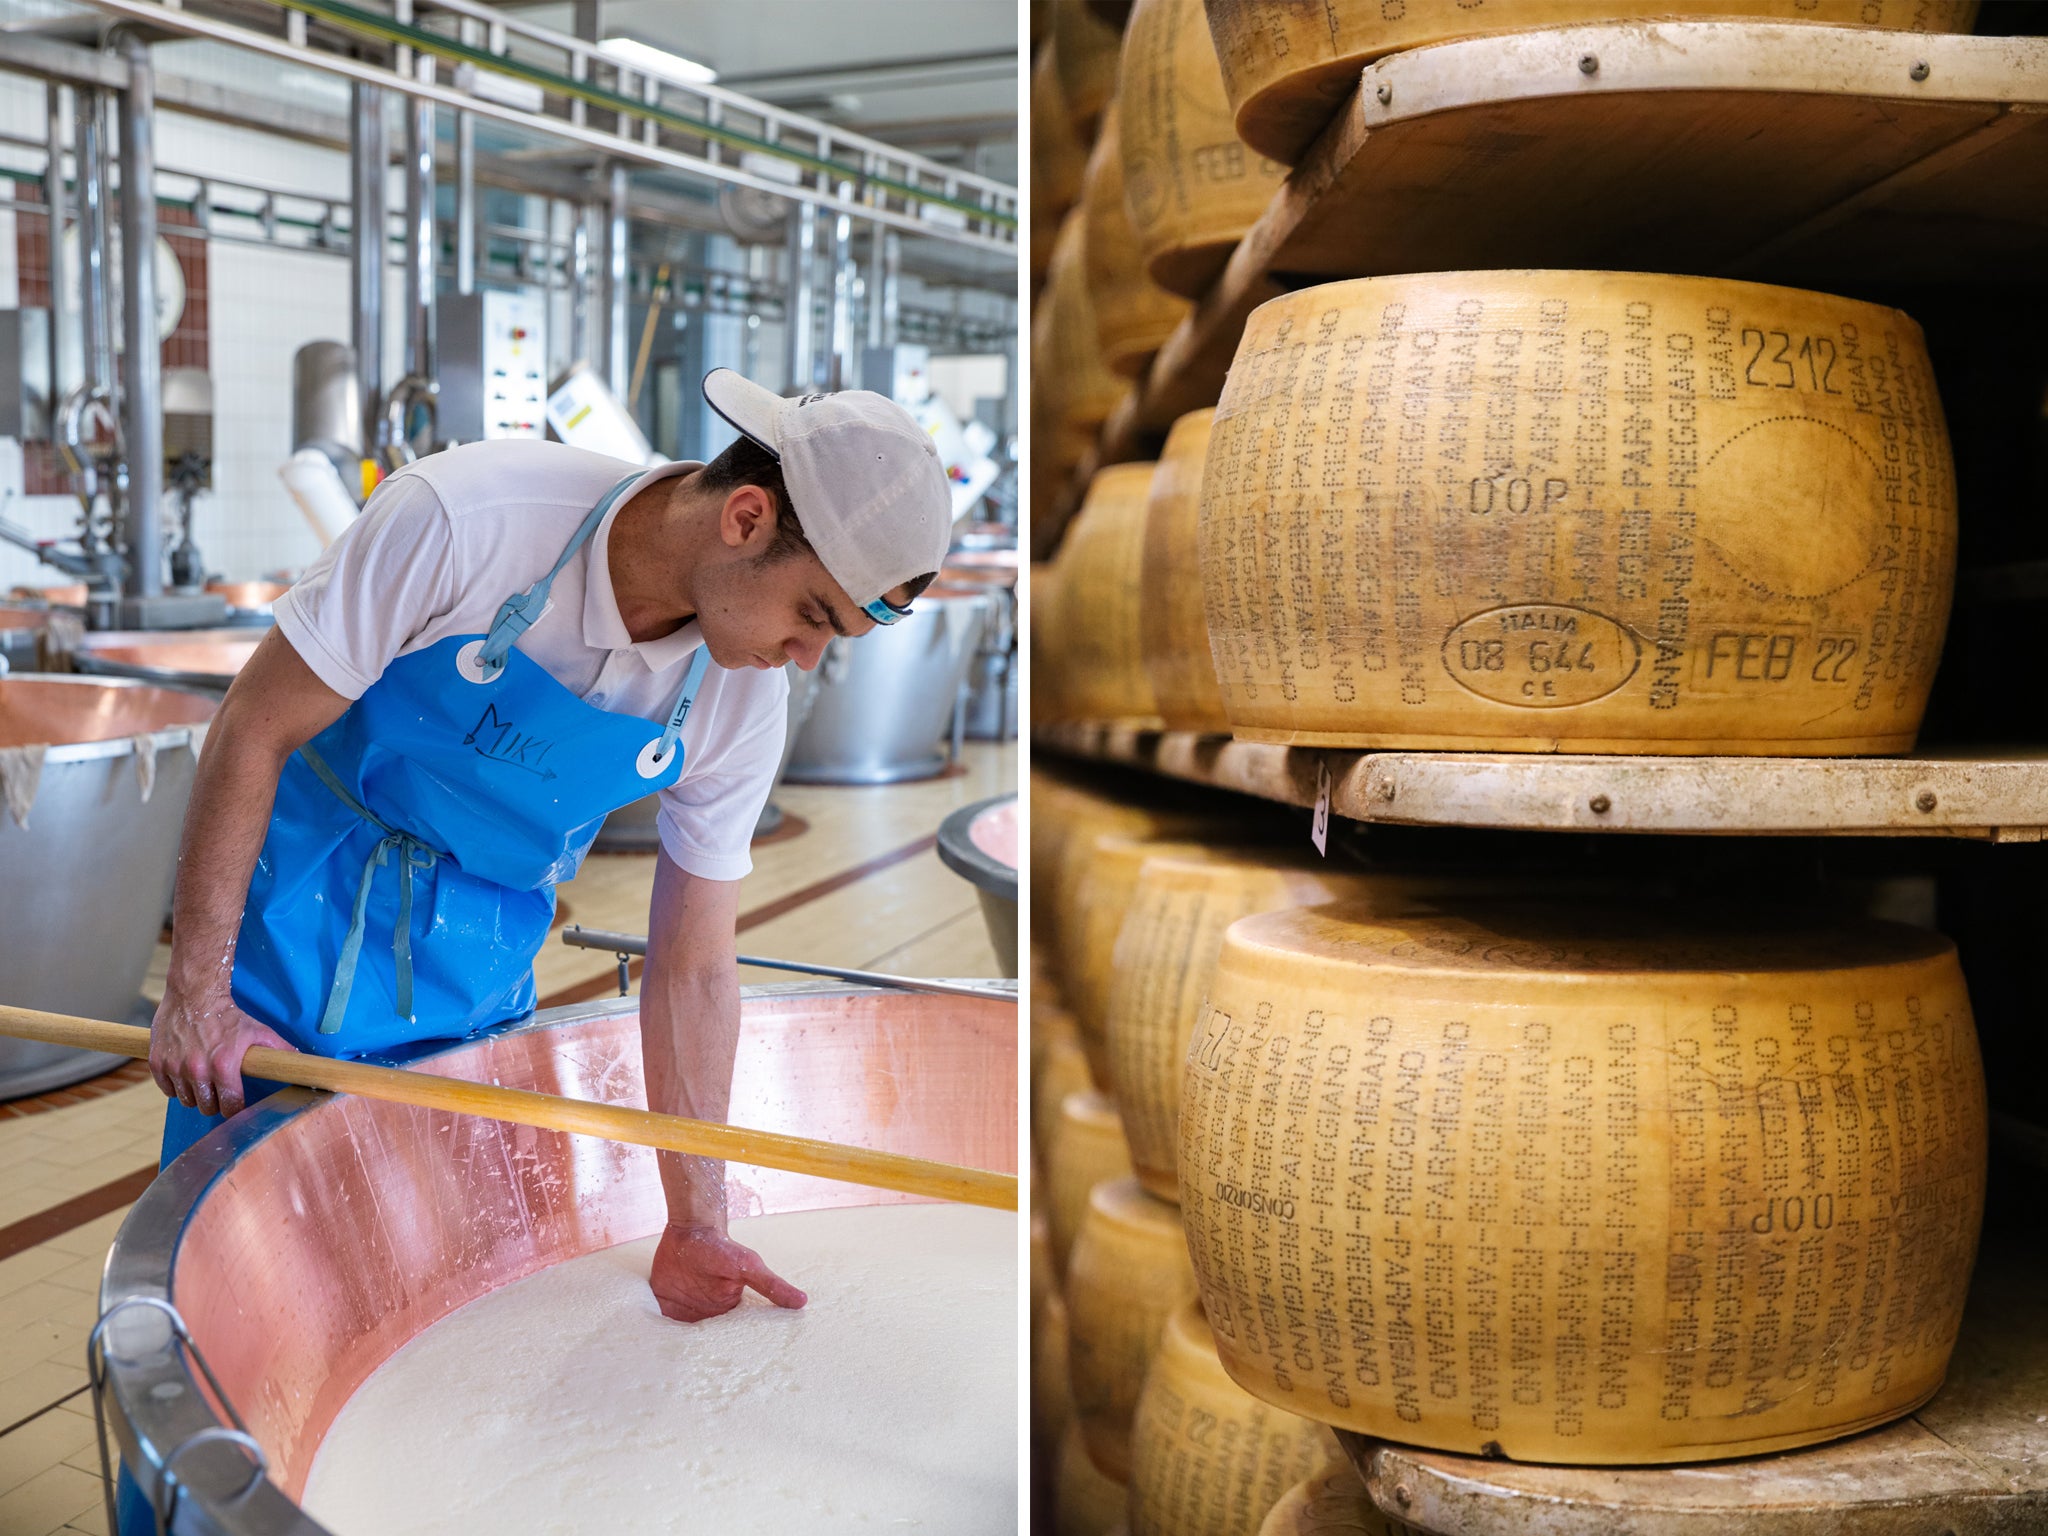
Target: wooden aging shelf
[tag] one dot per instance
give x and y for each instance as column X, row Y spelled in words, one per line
column 1825, row 157
column 1989, row 796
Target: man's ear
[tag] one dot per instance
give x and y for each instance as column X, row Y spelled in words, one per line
column 747, row 520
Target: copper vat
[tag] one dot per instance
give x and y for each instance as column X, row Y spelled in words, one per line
column 91, row 860
column 23, row 631
column 313, row 1235
column 207, row 659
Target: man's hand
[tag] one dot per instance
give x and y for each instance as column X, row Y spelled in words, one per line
column 196, row 1047
column 699, row 1272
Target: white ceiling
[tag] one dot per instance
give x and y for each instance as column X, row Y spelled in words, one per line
column 935, row 76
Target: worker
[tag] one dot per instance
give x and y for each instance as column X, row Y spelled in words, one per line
column 515, row 639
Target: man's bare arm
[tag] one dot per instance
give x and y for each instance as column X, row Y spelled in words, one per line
column 689, row 1035
column 275, row 706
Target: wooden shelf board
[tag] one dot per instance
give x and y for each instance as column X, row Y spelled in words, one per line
column 1991, row 796
column 1781, row 152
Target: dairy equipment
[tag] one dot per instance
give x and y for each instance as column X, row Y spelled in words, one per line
column 381, row 1219
column 492, row 351
column 979, row 843
column 205, row 659
column 86, row 764
column 884, row 704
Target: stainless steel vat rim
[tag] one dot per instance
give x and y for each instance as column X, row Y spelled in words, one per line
column 118, row 746
column 960, row 853
column 160, row 1392
column 215, row 683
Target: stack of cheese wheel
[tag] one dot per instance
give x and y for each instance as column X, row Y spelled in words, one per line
column 1104, row 902
column 1191, row 186
column 1086, row 43
column 1331, row 1503
column 1057, row 159
column 1085, row 1503
column 1288, row 67
column 1208, row 1458
column 1607, row 1187
column 1578, row 511
column 1087, row 1149
column 1052, row 1400
column 1173, row 627
column 1058, row 1067
column 1128, row 1270
column 1073, row 390
column 1133, row 314
column 1101, row 667
column 1047, row 707
column 1062, row 840
column 1177, row 911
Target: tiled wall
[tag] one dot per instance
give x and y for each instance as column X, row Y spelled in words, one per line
column 257, row 306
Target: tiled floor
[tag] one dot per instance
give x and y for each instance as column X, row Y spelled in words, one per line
column 859, row 887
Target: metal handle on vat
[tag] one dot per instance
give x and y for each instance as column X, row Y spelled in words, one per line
column 576, row 936
column 163, row 1498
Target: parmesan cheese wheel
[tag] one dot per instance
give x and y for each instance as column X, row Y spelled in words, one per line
column 1128, row 1270
column 1101, row 666
column 1173, row 627
column 1062, row 846
column 1047, row 705
column 1073, row 389
column 1191, row 185
column 1578, row 511
column 1584, row 1186
column 1207, row 1458
column 1104, row 903
column 1133, row 314
column 1045, row 1275
column 1087, row 1149
column 1058, row 1067
column 1057, row 157
column 1052, row 1398
column 1086, row 1503
column 1331, row 1503
column 1178, row 908
column 1085, row 46
column 1289, row 68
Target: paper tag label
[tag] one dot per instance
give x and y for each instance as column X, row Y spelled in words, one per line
column 1319, row 825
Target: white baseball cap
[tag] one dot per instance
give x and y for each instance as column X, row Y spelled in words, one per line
column 864, row 480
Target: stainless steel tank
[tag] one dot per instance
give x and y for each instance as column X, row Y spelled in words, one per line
column 90, row 871
column 632, row 828
column 887, row 701
column 979, row 843
column 249, row 601
column 24, row 638
column 207, row 659
column 992, row 681
column 311, row 1236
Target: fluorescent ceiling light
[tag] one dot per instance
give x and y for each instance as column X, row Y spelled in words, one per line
column 630, row 50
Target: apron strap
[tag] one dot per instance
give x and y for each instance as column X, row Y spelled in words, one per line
column 522, row 611
column 693, row 683
column 411, row 854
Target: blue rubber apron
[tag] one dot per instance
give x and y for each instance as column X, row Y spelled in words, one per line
column 408, row 876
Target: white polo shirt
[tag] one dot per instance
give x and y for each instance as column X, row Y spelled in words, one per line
column 444, row 542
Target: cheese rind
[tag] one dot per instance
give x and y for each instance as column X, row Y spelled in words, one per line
column 1087, row 1150
column 1191, row 185
column 1128, row 1270
column 1578, row 511
column 1207, row 1458
column 1331, row 1503
column 1173, row 625
column 1605, row 1188
column 1101, row 665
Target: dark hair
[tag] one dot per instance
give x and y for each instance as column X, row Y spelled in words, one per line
column 746, row 462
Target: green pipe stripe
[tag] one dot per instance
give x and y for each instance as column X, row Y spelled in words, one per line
column 371, row 24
